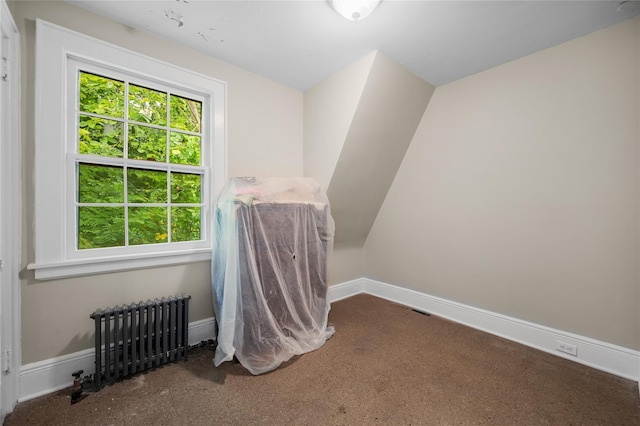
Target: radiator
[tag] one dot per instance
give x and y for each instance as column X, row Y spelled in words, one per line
column 138, row 337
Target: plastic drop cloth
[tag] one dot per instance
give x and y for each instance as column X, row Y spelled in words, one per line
column 273, row 237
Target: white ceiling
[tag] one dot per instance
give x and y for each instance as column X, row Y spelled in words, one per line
column 300, row 43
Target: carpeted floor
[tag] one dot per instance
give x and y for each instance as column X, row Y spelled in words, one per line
column 385, row 365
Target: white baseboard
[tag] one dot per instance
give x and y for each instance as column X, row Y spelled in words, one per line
column 603, row 356
column 346, row 289
column 202, row 330
column 43, row 377
column 50, row 375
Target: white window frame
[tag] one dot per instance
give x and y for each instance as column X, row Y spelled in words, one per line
column 58, row 53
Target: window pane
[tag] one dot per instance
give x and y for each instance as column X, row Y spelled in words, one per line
column 186, row 188
column 184, row 149
column 100, row 227
column 100, row 95
column 147, row 143
column 147, row 105
column 100, row 184
column 100, row 136
column 146, row 186
column 185, row 114
column 185, row 223
column 147, row 225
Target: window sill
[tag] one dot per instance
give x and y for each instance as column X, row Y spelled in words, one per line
column 83, row 267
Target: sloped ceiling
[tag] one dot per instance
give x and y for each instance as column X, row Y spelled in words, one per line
column 380, row 108
column 391, row 106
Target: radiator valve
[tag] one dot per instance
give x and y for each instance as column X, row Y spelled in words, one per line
column 78, row 385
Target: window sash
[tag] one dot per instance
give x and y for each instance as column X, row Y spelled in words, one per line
column 74, row 158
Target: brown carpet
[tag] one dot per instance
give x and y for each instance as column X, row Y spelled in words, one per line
column 385, row 365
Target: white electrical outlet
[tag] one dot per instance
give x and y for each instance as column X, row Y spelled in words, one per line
column 567, row 348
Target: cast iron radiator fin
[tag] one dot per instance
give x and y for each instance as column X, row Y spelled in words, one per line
column 138, row 337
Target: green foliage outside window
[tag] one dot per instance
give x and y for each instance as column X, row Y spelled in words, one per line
column 184, row 149
column 100, row 227
column 147, row 105
column 146, row 143
column 150, row 206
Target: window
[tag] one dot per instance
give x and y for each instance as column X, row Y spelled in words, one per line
column 139, row 169
column 127, row 161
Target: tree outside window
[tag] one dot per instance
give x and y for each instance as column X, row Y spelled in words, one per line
column 139, row 171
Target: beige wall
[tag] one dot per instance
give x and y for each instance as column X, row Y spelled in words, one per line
column 345, row 263
column 358, row 124
column 264, row 126
column 388, row 113
column 520, row 191
column 329, row 108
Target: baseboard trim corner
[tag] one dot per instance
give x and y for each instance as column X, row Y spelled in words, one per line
column 204, row 329
column 346, row 289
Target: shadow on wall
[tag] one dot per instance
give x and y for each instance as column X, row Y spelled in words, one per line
column 84, row 340
column 390, row 107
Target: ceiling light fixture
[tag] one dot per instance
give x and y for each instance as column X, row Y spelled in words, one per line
column 354, row 10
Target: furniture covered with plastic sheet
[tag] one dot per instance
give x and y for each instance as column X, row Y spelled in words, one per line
column 273, row 237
